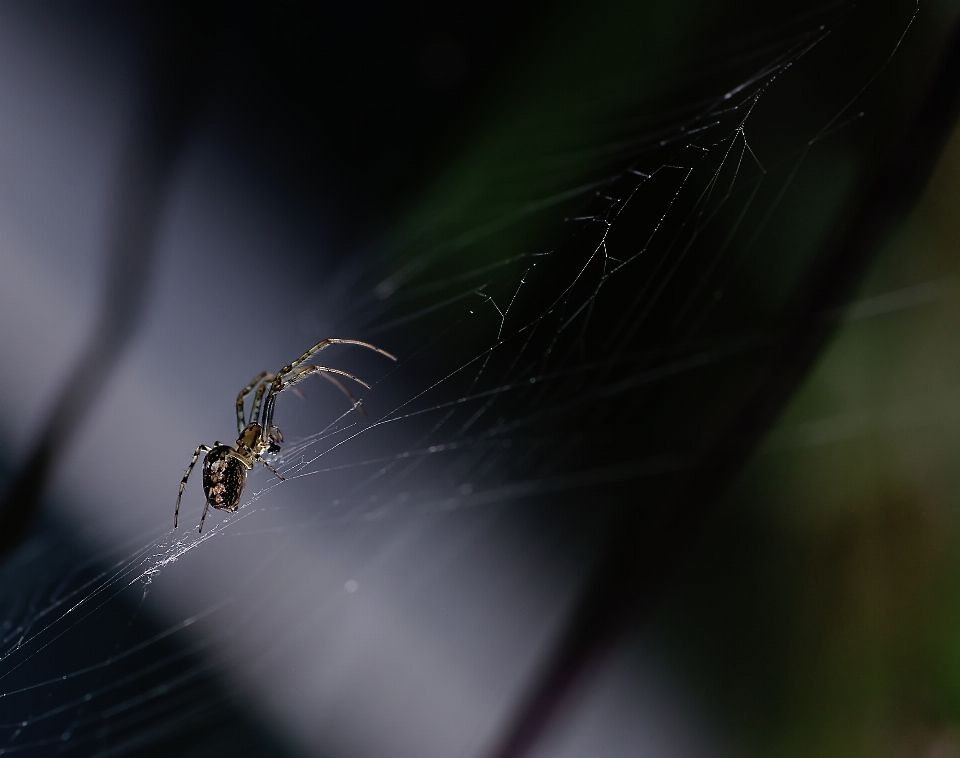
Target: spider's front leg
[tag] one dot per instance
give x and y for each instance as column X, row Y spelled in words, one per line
column 294, row 377
column 241, row 423
column 255, row 408
column 186, row 475
column 288, row 377
column 322, row 344
column 339, row 385
column 259, row 459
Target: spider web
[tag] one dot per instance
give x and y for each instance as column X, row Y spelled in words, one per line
column 563, row 356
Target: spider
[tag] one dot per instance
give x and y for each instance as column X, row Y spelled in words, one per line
column 224, row 467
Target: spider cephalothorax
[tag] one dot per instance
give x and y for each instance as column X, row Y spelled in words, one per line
column 225, row 467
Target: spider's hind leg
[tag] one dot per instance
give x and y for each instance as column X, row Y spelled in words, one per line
column 186, row 475
column 206, row 507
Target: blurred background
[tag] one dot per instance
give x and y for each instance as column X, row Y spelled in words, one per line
column 664, row 466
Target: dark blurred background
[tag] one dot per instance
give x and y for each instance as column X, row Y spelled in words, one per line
column 665, row 466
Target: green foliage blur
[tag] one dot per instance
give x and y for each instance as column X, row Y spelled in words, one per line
column 822, row 616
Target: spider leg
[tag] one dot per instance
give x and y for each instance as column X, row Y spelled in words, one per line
column 325, row 373
column 268, row 411
column 339, row 385
column 278, row 384
column 241, row 423
column 304, row 371
column 186, row 475
column 326, row 343
column 296, row 375
column 300, row 373
column 203, row 517
column 255, row 409
column 276, row 473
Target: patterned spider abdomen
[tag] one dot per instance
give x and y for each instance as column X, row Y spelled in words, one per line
column 223, row 478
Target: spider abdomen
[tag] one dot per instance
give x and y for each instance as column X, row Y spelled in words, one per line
column 223, row 478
